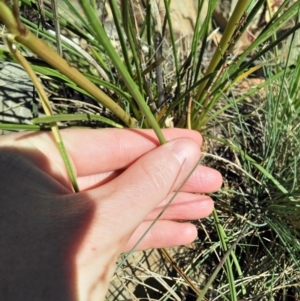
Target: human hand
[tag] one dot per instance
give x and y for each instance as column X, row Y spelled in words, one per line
column 57, row 245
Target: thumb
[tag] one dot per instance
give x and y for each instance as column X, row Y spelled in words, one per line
column 149, row 180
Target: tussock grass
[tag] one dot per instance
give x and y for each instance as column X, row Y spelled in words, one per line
column 251, row 134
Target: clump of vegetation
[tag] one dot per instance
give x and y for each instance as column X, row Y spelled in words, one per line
column 249, row 249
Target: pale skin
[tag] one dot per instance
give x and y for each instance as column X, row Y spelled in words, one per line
column 58, row 245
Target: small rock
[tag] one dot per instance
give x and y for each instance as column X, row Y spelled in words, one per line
column 16, row 95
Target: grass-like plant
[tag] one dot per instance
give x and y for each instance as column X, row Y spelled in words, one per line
column 255, row 142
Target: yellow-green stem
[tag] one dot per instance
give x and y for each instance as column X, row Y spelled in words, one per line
column 224, row 43
column 46, row 106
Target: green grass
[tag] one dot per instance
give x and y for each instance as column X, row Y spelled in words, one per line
column 252, row 136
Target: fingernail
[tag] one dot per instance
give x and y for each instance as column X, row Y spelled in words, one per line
column 181, row 149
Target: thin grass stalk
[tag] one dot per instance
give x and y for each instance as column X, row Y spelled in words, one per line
column 75, row 117
column 192, row 66
column 49, row 72
column 294, row 87
column 169, row 21
column 223, row 240
column 149, row 29
column 136, row 52
column 159, row 71
column 98, row 56
column 224, row 43
column 197, row 65
column 47, row 108
column 56, row 26
column 201, row 30
column 154, row 35
column 17, row 127
column 292, row 107
column 274, row 35
column 220, row 265
column 128, row 28
column 117, row 17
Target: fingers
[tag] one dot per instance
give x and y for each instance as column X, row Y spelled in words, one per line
column 98, row 151
column 163, row 234
column 147, row 182
column 93, row 181
column 203, row 180
column 184, row 206
column 95, row 151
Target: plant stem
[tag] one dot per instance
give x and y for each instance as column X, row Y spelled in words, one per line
column 224, row 43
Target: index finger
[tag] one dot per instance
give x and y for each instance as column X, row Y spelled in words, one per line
column 96, row 151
